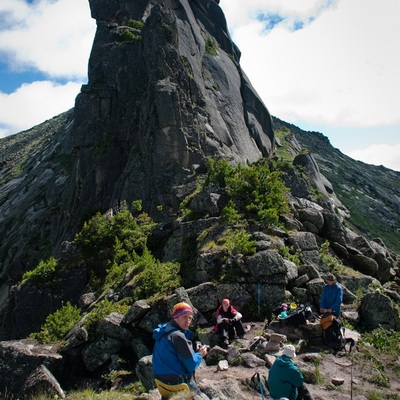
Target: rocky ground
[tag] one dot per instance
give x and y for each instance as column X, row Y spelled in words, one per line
column 362, row 374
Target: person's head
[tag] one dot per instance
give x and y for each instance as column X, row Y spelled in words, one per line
column 289, row 351
column 330, row 279
column 225, row 304
column 182, row 314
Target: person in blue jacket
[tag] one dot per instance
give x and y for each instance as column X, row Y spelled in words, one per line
column 284, row 378
column 174, row 359
column 332, row 296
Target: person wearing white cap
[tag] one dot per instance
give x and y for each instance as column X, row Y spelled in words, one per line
column 284, row 378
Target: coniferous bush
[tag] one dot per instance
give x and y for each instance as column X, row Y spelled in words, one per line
column 58, row 324
column 43, row 274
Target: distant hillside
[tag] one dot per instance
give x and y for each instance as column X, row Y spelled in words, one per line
column 370, row 193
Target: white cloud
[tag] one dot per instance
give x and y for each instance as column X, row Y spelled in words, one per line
column 379, row 154
column 340, row 70
column 34, row 103
column 54, row 37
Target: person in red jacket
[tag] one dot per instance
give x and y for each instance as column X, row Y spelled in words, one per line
column 228, row 321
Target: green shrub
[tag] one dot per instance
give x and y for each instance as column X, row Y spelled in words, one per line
column 238, row 242
column 128, row 36
column 43, row 274
column 230, row 214
column 58, row 324
column 155, row 277
column 101, row 310
column 133, row 23
column 211, row 47
column 384, row 340
column 255, row 192
column 290, row 254
column 114, row 239
column 331, row 261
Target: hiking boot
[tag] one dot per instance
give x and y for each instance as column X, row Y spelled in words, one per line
column 226, row 342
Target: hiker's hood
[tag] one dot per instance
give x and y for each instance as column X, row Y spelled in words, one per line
column 165, row 328
column 284, row 361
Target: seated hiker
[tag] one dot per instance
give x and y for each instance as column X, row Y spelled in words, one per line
column 174, row 360
column 228, row 321
column 332, row 296
column 284, row 378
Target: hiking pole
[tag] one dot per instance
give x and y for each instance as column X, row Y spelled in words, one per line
column 260, row 386
column 351, row 377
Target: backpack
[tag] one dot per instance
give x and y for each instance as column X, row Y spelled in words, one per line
column 333, row 333
column 296, row 317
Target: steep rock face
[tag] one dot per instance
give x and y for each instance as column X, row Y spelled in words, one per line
column 160, row 102
column 162, row 96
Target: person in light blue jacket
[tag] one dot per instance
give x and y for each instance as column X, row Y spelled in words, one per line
column 332, row 297
column 174, row 360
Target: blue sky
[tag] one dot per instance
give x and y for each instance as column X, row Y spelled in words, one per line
column 324, row 65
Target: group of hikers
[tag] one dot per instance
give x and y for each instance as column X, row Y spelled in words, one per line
column 175, row 359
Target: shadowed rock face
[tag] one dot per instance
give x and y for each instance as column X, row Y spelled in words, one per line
column 161, row 97
column 157, row 105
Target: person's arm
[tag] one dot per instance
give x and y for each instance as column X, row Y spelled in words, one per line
column 219, row 316
column 295, row 377
column 322, row 303
column 338, row 299
column 189, row 359
column 237, row 316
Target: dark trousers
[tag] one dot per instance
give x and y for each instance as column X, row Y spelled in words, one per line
column 227, row 330
column 303, row 393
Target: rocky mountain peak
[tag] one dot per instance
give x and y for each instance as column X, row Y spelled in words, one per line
column 165, row 91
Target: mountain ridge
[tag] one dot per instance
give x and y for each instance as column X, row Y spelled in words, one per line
column 375, row 210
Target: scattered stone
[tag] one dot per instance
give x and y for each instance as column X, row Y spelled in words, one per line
column 337, row 381
column 222, row 365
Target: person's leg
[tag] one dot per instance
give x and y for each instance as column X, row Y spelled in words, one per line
column 231, row 332
column 193, row 386
column 223, row 332
column 303, row 393
column 239, row 328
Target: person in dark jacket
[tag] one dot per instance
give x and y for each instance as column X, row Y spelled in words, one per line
column 174, row 359
column 284, row 378
column 228, row 321
column 332, row 297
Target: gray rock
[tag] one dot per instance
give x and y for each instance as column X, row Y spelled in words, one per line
column 111, row 326
column 99, row 352
column 376, row 310
column 144, row 371
column 136, row 312
column 252, row 361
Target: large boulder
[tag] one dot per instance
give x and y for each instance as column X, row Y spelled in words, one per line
column 376, row 310
column 27, row 368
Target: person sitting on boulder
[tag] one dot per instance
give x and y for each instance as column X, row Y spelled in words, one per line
column 284, row 378
column 174, row 360
column 332, row 296
column 228, row 321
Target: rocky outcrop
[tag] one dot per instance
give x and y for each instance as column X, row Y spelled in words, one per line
column 162, row 102
column 25, row 369
column 370, row 194
column 165, row 92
